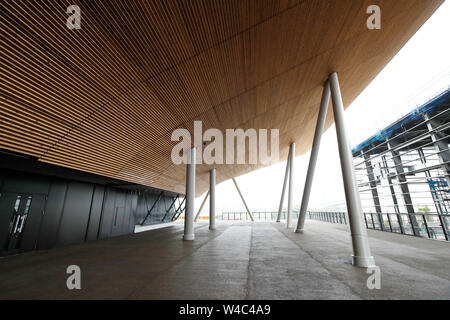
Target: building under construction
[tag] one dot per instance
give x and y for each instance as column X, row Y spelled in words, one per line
column 403, row 173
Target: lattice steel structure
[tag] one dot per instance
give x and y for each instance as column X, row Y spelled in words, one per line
column 403, row 173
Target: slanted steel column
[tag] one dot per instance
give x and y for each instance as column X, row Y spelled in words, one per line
column 168, row 210
column 212, row 199
column 286, row 174
column 313, row 157
column 362, row 256
column 149, row 212
column 437, row 204
column 179, row 210
column 201, row 206
column 243, row 200
column 373, row 189
column 403, row 182
column 190, row 197
column 394, row 197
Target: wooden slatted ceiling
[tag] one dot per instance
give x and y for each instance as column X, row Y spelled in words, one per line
column 105, row 99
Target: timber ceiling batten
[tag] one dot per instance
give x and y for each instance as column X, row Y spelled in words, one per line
column 105, row 98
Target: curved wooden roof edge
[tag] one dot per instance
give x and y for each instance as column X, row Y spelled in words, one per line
column 105, row 98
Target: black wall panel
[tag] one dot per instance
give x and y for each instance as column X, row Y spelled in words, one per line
column 121, row 214
column 75, row 215
column 52, row 215
column 107, row 213
column 126, row 216
column 65, row 211
column 140, row 210
column 117, row 221
column 128, row 226
column 22, row 183
column 132, row 198
column 95, row 214
column 119, row 217
column 7, row 200
column 33, row 222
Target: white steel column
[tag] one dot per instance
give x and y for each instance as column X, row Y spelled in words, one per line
column 313, row 157
column 201, row 206
column 361, row 249
column 291, row 184
column 212, row 199
column 243, row 200
column 280, row 208
column 190, row 197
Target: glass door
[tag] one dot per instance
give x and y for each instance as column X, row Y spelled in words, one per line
column 19, row 216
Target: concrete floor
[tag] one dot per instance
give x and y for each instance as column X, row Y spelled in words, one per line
column 237, row 261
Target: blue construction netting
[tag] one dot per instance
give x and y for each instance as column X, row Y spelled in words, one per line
column 413, row 115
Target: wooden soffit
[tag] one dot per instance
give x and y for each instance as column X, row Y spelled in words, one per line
column 106, row 98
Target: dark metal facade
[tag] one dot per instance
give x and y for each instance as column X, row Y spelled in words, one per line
column 42, row 211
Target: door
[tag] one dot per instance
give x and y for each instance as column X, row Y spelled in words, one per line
column 22, row 213
column 17, row 222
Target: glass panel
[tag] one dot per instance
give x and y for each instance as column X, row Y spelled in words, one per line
column 369, row 221
column 27, row 205
column 435, row 227
column 394, row 223
column 376, row 223
column 23, row 218
column 17, row 204
column 422, row 227
column 386, row 222
column 13, row 223
column 407, row 224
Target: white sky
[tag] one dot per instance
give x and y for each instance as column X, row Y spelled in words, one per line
column 421, row 68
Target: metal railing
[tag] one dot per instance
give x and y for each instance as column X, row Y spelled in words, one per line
column 428, row 224
column 257, row 215
column 331, row 217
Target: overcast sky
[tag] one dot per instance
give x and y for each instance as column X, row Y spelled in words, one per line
column 420, row 69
